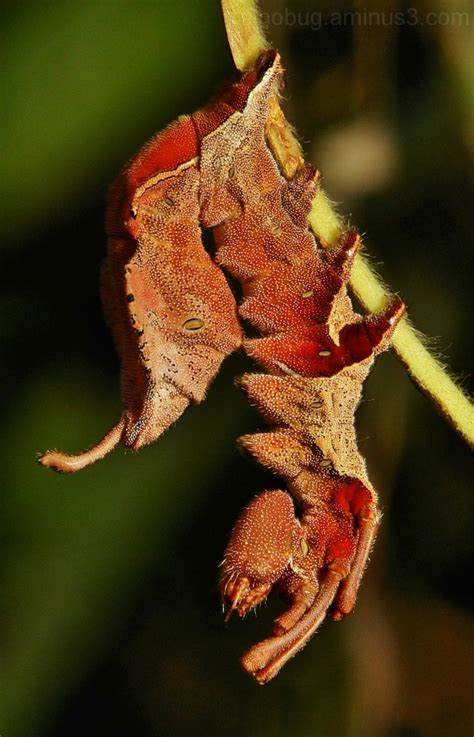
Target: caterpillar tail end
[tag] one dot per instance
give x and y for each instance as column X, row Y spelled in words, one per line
column 67, row 463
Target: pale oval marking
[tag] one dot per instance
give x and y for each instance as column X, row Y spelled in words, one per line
column 194, row 323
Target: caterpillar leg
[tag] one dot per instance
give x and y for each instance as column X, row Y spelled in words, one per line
column 368, row 522
column 300, row 603
column 266, row 658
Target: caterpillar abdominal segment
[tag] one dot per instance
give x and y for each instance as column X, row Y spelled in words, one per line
column 174, row 319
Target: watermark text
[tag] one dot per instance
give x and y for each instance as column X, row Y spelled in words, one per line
column 316, row 20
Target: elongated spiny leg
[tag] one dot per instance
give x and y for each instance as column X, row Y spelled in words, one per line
column 266, row 658
column 301, row 600
column 368, row 522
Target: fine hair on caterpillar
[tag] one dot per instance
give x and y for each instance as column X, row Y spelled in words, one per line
column 174, row 319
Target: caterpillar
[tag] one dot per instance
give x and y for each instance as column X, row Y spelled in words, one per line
column 174, row 319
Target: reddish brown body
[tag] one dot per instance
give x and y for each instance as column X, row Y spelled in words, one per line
column 174, row 319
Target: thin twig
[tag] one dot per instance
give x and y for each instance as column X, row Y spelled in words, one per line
column 247, row 41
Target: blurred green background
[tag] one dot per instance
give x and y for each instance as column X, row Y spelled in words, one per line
column 111, row 618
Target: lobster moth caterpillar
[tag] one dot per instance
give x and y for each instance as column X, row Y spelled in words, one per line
column 174, row 319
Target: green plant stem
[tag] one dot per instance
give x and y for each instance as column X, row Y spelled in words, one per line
column 247, row 41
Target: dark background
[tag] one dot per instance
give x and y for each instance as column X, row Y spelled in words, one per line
column 112, row 623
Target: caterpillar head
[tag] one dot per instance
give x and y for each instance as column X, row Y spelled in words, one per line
column 263, row 545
